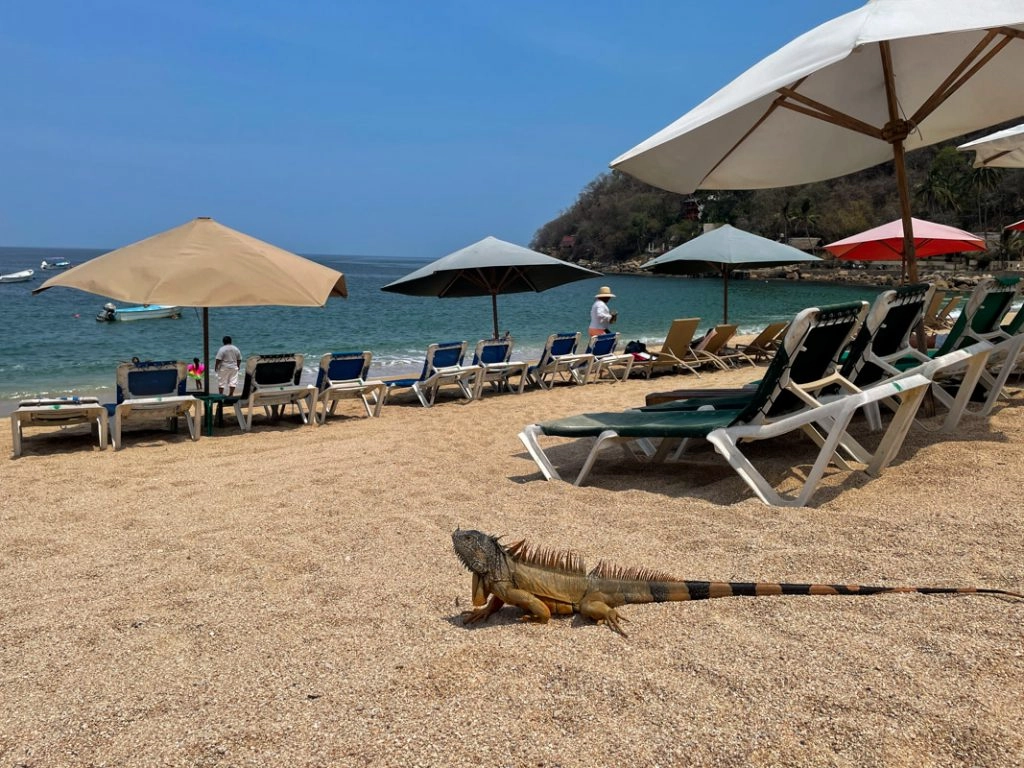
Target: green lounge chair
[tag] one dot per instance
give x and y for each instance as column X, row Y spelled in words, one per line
column 978, row 328
column 777, row 407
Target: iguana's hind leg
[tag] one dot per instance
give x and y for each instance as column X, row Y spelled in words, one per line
column 594, row 607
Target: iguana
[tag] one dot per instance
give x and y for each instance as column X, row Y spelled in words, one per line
column 544, row 582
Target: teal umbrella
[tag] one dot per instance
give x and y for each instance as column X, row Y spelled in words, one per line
column 723, row 250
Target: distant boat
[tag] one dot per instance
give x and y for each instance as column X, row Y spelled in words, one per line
column 59, row 264
column 111, row 313
column 17, row 277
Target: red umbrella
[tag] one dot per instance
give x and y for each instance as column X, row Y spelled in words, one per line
column 1019, row 226
column 885, row 243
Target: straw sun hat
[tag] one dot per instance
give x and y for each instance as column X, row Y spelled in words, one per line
column 605, row 293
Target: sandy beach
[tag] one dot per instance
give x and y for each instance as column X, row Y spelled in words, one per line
column 290, row 597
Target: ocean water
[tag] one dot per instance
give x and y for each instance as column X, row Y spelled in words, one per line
column 52, row 344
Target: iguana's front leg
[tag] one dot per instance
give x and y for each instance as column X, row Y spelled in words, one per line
column 483, row 614
column 535, row 608
column 593, row 606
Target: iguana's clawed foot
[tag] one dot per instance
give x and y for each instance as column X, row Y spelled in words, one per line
column 534, row 619
column 614, row 620
column 472, row 617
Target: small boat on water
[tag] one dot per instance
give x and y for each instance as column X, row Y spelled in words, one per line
column 17, row 277
column 111, row 313
column 58, row 264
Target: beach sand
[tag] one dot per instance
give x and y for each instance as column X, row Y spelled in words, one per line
column 290, row 597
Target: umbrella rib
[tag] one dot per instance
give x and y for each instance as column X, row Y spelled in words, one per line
column 518, row 271
column 768, row 112
column 964, row 71
column 819, row 111
column 996, row 156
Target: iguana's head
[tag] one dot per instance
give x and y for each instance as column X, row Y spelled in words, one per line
column 477, row 551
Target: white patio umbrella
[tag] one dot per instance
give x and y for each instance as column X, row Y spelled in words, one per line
column 725, row 249
column 856, row 91
column 1002, row 149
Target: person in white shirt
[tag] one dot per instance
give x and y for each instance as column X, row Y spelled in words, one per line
column 600, row 315
column 227, row 363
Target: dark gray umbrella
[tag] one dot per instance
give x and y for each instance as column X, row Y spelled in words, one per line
column 725, row 249
column 487, row 268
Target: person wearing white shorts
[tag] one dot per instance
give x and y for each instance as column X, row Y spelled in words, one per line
column 226, row 364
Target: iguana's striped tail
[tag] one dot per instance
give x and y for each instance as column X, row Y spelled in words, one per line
column 672, row 591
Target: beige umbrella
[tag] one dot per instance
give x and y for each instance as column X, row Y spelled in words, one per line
column 1003, row 149
column 856, row 91
column 204, row 264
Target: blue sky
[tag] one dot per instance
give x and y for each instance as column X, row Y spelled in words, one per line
column 370, row 128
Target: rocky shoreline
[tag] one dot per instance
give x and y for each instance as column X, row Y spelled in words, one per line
column 948, row 278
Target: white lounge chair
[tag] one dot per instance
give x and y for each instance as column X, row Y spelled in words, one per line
column 342, row 375
column 495, row 368
column 442, row 367
column 272, row 383
column 560, row 361
column 149, row 390
column 57, row 412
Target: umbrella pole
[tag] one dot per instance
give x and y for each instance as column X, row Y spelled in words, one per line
column 909, row 252
column 725, row 296
column 494, row 313
column 206, row 350
column 895, row 131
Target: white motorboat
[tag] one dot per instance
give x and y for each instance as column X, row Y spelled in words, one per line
column 111, row 313
column 17, row 277
column 58, row 264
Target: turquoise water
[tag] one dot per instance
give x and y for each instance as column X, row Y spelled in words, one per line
column 53, row 346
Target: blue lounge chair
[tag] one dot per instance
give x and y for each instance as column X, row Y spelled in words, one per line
column 492, row 358
column 343, row 375
column 442, row 366
column 57, row 412
column 606, row 360
column 560, row 361
column 778, row 406
column 153, row 390
column 272, row 383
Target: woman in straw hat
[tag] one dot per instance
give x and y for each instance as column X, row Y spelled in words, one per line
column 600, row 315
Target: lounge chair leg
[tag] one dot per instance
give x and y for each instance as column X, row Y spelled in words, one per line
column 529, row 438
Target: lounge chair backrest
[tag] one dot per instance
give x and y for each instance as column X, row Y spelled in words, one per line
column 559, row 344
column 492, row 351
column 680, row 336
column 1013, row 327
column 342, row 366
column 810, row 351
column 982, row 315
column 886, row 331
column 716, row 338
column 163, row 378
column 767, row 335
column 443, row 355
column 603, row 344
column 271, row 371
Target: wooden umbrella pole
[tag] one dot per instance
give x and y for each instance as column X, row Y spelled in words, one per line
column 494, row 313
column 206, row 350
column 895, row 131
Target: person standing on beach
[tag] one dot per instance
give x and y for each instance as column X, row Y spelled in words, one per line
column 600, row 315
column 227, row 363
